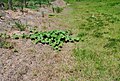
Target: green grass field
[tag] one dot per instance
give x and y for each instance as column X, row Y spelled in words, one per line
column 97, row 23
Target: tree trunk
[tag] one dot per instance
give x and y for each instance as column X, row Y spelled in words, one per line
column 25, row 3
column 40, row 3
column 10, row 4
column 2, row 6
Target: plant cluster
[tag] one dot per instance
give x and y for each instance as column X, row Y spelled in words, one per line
column 5, row 44
column 4, row 36
column 54, row 38
column 109, row 18
column 112, row 43
column 113, row 4
column 98, row 20
column 20, row 26
column 57, row 9
column 3, row 41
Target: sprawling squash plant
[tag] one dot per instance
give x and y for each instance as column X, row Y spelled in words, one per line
column 54, row 38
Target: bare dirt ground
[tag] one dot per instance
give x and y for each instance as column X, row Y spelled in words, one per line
column 35, row 62
column 29, row 62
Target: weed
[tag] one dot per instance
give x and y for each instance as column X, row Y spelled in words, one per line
column 112, row 43
column 98, row 21
column 5, row 44
column 15, row 50
column 57, row 9
column 4, row 36
column 20, row 26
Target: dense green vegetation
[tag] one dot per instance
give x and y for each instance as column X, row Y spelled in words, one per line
column 97, row 23
column 12, row 4
column 54, row 38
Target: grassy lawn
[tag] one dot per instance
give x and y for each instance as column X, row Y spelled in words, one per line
column 97, row 23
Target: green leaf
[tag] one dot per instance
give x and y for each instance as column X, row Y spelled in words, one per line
column 33, row 37
column 15, row 36
column 60, row 44
column 77, row 39
column 23, row 35
column 36, row 41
